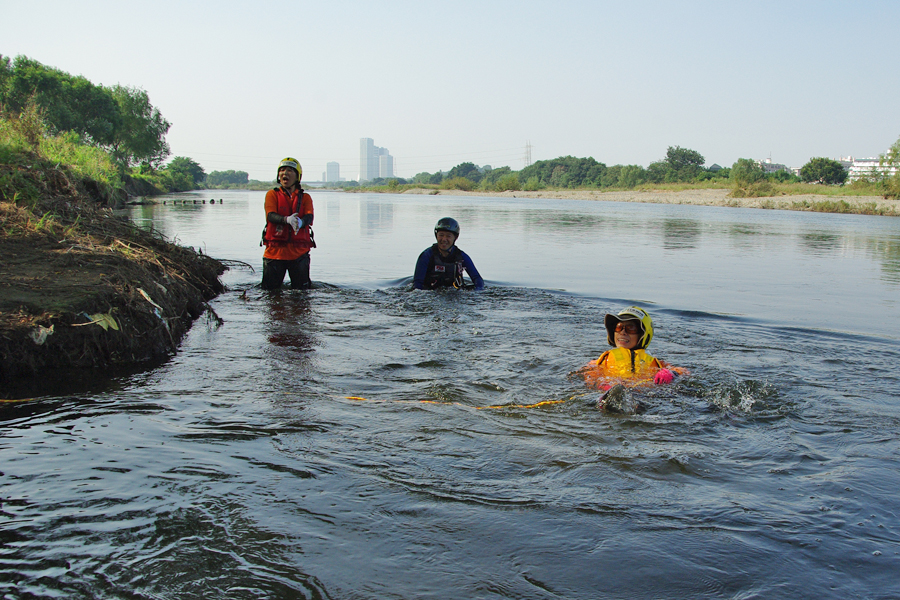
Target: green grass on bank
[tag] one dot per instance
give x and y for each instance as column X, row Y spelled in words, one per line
column 24, row 146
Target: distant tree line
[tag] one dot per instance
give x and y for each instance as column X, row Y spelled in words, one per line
column 680, row 165
column 227, row 179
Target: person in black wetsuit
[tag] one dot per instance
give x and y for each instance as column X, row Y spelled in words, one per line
column 443, row 264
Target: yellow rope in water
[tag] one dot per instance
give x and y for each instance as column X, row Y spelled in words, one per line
column 535, row 405
column 494, row 407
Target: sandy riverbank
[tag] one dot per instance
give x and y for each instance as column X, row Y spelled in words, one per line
column 704, row 197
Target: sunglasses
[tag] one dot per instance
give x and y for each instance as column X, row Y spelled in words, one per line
column 629, row 328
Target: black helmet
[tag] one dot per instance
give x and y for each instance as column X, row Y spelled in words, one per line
column 447, row 224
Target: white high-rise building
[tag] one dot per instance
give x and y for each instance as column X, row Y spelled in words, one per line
column 332, row 172
column 374, row 161
column 368, row 165
column 385, row 165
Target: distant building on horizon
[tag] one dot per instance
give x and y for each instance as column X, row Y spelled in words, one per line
column 374, row 161
column 769, row 167
column 332, row 172
column 864, row 168
column 385, row 165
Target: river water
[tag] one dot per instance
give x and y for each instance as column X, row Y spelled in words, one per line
column 364, row 440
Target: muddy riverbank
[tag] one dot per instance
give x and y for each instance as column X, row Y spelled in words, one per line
column 83, row 289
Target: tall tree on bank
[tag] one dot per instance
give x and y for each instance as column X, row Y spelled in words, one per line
column 746, row 172
column 679, row 165
column 565, row 171
column 188, row 167
column 225, row 178
column 684, row 164
column 467, row 170
column 823, row 170
column 141, row 135
column 118, row 119
column 748, row 180
column 67, row 103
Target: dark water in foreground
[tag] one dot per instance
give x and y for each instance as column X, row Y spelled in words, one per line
column 241, row 469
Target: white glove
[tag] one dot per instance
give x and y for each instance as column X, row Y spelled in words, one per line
column 294, row 222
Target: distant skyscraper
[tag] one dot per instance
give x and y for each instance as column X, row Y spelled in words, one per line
column 366, row 156
column 385, row 165
column 374, row 161
column 332, row 172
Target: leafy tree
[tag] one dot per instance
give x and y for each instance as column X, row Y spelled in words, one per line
column 683, row 164
column 5, row 73
column 892, row 157
column 565, row 171
column 658, row 172
column 745, row 172
column 610, row 177
column 422, row 177
column 532, row 184
column 225, row 178
column 823, row 170
column 68, row 103
column 507, row 182
column 182, row 167
column 783, row 176
column 141, row 136
column 493, row 175
column 717, row 173
column 118, row 119
column 892, row 182
column 175, row 181
column 467, row 170
column 749, row 180
column 631, row 176
column 559, row 177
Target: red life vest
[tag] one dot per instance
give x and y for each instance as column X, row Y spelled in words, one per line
column 282, row 234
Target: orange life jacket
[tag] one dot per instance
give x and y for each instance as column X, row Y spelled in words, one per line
column 621, row 365
column 281, row 234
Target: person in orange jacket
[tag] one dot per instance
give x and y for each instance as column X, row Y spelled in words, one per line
column 288, row 236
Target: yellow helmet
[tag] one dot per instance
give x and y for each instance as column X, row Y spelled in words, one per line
column 292, row 163
column 632, row 313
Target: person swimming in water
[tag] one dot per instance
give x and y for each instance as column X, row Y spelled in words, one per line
column 628, row 364
column 443, row 264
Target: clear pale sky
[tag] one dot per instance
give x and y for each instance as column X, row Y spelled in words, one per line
column 439, row 83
